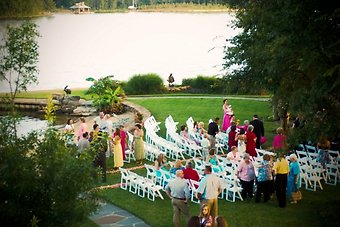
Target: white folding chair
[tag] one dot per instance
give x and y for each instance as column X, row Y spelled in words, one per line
column 129, row 155
column 150, row 172
column 125, row 178
column 193, row 185
column 153, row 190
column 332, row 173
column 312, row 177
column 233, row 189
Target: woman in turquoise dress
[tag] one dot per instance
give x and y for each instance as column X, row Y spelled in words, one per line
column 294, row 181
column 212, row 159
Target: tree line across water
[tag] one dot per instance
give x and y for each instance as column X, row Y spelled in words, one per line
column 27, row 8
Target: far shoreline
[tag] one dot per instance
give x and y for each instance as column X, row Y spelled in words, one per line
column 149, row 9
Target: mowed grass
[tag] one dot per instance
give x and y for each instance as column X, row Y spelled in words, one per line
column 309, row 212
column 246, row 213
column 203, row 109
column 44, row 94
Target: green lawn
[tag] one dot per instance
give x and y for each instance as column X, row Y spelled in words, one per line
column 203, row 109
column 316, row 209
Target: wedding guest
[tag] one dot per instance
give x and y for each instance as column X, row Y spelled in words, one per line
column 205, row 146
column 212, row 131
column 258, row 130
column 194, row 221
column 245, row 125
column 206, row 219
column 294, row 178
column 220, row 222
column 69, row 127
column 213, row 161
column 82, row 128
column 160, row 163
column 190, row 172
column 231, row 137
column 184, row 133
column 99, row 120
column 234, row 155
column 251, row 141
column 246, row 174
column 178, row 191
column 138, row 143
column 117, row 148
column 279, row 140
column 123, row 141
column 69, row 132
column 177, row 166
column 264, row 177
column 208, row 190
column 83, row 142
column 281, row 170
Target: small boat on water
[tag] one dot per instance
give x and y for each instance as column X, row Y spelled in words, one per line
column 133, row 6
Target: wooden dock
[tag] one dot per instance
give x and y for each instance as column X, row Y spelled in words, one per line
column 25, row 104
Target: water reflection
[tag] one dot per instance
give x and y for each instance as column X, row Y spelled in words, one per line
column 35, row 122
column 30, row 124
column 74, row 47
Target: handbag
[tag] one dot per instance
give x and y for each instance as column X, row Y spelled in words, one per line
column 296, row 196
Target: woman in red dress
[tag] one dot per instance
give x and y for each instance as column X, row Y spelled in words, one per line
column 251, row 141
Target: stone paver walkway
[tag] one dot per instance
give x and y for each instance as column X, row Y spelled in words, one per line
column 110, row 215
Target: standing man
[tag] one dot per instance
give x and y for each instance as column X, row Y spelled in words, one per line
column 212, row 131
column 100, row 121
column 208, row 191
column 258, row 130
column 178, row 191
column 83, row 142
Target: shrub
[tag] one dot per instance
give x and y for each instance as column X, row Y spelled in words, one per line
column 41, row 181
column 145, row 84
column 202, row 84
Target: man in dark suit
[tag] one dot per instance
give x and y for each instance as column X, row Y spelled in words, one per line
column 258, row 130
column 212, row 131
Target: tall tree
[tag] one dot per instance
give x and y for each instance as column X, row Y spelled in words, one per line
column 19, row 58
column 291, row 48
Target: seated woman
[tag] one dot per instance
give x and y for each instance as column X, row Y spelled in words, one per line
column 184, row 132
column 177, row 166
column 160, row 163
column 212, row 159
column 234, row 155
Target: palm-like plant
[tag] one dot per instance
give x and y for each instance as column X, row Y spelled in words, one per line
column 107, row 94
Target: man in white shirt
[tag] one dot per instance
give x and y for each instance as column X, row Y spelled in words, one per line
column 208, row 191
column 100, row 120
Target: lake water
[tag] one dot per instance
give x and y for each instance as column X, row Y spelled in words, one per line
column 74, row 47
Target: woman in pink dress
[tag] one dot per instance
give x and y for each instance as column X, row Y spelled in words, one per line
column 82, row 128
column 123, row 139
column 279, row 140
column 122, row 135
column 227, row 113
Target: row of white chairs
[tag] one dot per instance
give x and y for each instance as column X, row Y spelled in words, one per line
column 139, row 185
column 312, row 168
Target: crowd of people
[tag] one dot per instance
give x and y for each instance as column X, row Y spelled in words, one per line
column 280, row 177
column 115, row 145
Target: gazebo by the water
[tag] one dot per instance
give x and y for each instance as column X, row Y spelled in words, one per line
column 80, row 7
